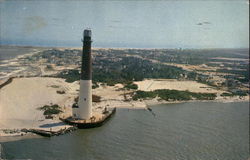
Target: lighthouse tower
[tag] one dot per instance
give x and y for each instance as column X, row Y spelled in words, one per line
column 84, row 110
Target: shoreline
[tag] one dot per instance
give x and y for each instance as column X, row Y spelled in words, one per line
column 154, row 102
column 47, row 87
column 150, row 103
column 111, row 96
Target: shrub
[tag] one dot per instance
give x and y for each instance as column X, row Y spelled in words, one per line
column 60, row 92
column 167, row 95
column 50, row 110
column 49, row 67
column 95, row 85
column 143, row 95
column 131, row 85
column 95, row 98
column 54, row 86
column 225, row 94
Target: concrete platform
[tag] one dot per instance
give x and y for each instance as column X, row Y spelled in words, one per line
column 97, row 120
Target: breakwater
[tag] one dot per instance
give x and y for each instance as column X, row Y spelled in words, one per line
column 47, row 133
column 8, row 81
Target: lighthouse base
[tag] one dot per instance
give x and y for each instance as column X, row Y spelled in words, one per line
column 97, row 120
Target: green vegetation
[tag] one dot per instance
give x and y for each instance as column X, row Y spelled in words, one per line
column 131, row 85
column 54, row 86
column 244, row 73
column 50, row 110
column 126, row 70
column 225, row 94
column 70, row 75
column 234, row 93
column 239, row 93
column 95, row 98
column 95, row 85
column 187, row 56
column 60, row 92
column 49, row 67
column 173, row 95
column 144, row 95
column 114, row 66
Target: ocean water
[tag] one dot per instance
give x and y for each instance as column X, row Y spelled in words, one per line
column 10, row 52
column 187, row 131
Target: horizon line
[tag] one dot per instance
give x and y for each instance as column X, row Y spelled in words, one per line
column 149, row 48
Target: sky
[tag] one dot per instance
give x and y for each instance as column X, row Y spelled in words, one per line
column 128, row 24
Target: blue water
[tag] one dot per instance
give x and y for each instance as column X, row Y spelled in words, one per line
column 188, row 131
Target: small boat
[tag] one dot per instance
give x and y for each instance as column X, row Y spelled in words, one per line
column 85, row 124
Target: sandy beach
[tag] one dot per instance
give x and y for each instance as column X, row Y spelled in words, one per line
column 21, row 99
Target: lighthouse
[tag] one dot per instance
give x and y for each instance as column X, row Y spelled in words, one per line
column 84, row 109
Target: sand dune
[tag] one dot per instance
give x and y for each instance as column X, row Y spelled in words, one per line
column 192, row 86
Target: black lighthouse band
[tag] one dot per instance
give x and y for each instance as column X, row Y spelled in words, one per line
column 86, row 68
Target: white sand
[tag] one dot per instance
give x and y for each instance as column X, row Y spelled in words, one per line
column 20, row 99
column 192, row 86
column 113, row 96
